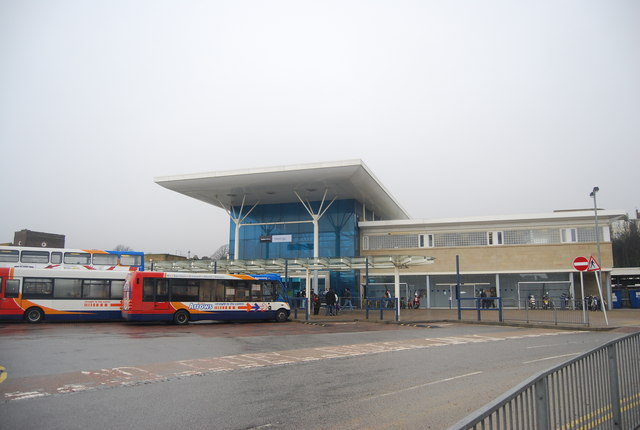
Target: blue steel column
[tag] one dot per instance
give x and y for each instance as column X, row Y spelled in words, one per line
column 458, row 286
column 366, row 286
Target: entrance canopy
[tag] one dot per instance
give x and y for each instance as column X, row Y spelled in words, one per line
column 341, row 180
column 294, row 265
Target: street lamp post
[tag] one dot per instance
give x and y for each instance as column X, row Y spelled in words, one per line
column 595, row 210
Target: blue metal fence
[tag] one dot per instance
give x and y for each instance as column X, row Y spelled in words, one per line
column 598, row 390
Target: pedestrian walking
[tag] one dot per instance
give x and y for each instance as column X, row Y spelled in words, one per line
column 330, row 300
column 347, row 299
column 315, row 299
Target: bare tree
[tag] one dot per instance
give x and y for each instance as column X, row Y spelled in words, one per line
column 222, row 253
column 626, row 245
column 122, row 248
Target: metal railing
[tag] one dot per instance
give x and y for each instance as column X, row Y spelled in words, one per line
column 382, row 304
column 598, row 390
column 558, row 311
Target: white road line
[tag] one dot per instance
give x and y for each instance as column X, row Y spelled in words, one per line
column 415, row 387
column 546, row 346
column 552, row 358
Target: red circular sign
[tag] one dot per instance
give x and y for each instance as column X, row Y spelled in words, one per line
column 581, row 263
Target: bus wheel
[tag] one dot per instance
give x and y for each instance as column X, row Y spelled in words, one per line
column 281, row 315
column 34, row 315
column 181, row 317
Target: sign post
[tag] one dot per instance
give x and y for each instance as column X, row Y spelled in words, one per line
column 595, row 268
column 581, row 264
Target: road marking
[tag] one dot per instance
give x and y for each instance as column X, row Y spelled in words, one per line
column 545, row 346
column 552, row 358
column 26, row 388
column 415, row 387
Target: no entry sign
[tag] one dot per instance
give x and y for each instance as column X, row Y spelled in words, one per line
column 581, row 263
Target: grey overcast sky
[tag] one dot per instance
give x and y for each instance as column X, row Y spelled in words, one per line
column 460, row 108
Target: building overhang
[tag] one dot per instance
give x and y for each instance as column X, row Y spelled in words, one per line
column 279, row 265
column 342, row 180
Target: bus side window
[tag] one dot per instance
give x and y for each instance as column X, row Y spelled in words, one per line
column 242, row 291
column 229, row 292
column 256, row 292
column 38, row 288
column 9, row 256
column 105, row 259
column 116, row 289
column 56, row 258
column 219, row 292
column 185, row 290
column 162, row 290
column 95, row 289
column 207, row 290
column 149, row 290
column 130, row 260
column 41, row 257
column 77, row 258
column 12, row 289
column 270, row 291
column 67, row 288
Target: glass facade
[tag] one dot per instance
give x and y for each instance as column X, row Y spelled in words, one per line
column 438, row 291
column 337, row 237
column 338, row 231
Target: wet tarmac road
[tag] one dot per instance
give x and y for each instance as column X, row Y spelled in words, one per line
column 50, row 365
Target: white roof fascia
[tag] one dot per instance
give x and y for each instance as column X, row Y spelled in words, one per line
column 511, row 221
column 243, row 172
column 345, row 179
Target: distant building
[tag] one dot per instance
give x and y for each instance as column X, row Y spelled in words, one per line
column 38, row 239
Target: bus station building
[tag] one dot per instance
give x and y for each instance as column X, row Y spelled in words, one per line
column 325, row 216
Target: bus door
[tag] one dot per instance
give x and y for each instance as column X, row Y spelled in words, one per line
column 161, row 301
column 9, row 293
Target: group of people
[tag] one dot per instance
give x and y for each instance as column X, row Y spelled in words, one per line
column 486, row 299
column 332, row 301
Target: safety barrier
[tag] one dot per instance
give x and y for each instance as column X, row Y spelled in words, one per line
column 480, row 304
column 549, row 311
column 598, row 390
column 382, row 304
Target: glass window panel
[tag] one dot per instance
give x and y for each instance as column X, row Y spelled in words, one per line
column 67, row 288
column 229, row 293
column 242, row 293
column 105, row 259
column 35, row 257
column 37, row 288
column 149, row 290
column 56, row 258
column 116, row 289
column 95, row 289
column 588, row 235
column 130, row 260
column 12, row 288
column 9, row 256
column 256, row 292
column 184, row 290
column 162, row 290
column 77, row 258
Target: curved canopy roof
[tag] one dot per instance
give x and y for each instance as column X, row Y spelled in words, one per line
column 342, row 180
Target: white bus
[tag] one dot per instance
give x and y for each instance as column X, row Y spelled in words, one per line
column 67, row 258
column 35, row 295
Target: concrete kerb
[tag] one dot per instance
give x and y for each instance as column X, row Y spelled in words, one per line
column 420, row 318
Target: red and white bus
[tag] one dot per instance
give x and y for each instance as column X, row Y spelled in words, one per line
column 182, row 297
column 67, row 258
column 35, row 295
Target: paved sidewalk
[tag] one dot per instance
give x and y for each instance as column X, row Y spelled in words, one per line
column 624, row 319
